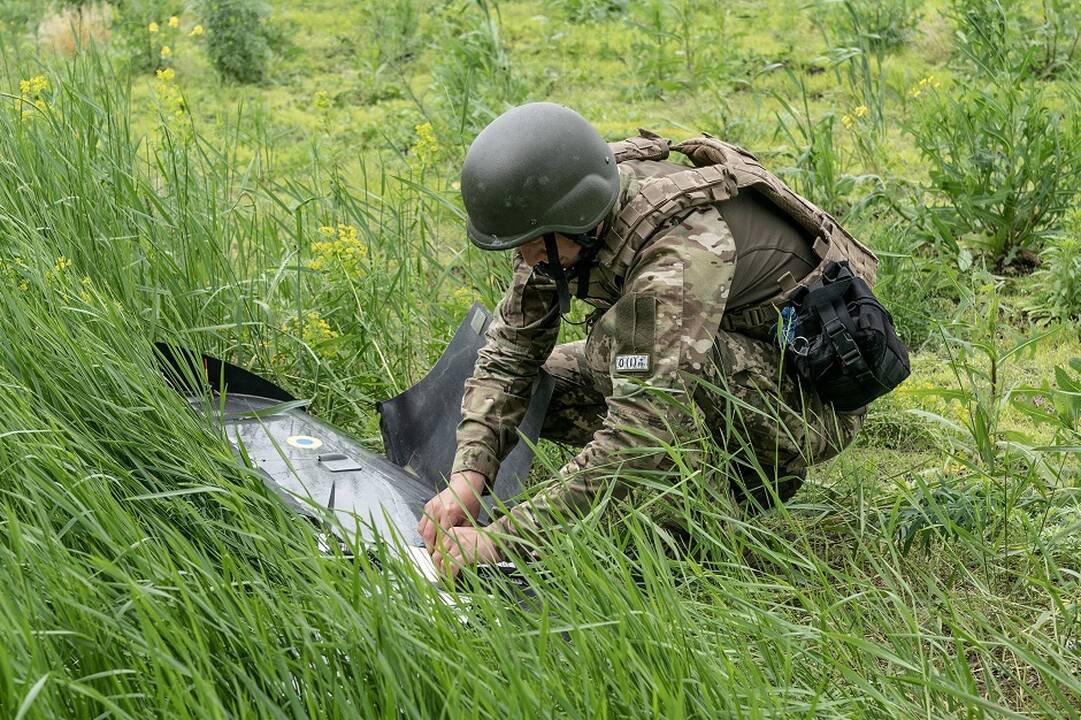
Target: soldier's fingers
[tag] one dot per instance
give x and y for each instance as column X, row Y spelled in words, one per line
column 456, row 518
column 445, row 565
column 444, row 544
column 437, row 561
column 453, row 560
column 427, row 533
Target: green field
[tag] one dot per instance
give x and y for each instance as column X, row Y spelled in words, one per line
column 278, row 187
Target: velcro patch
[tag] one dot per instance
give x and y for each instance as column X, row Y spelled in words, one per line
column 632, row 363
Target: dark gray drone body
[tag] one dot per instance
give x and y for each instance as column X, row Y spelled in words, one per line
column 319, row 470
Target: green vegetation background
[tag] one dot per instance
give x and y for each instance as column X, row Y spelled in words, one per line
column 277, row 186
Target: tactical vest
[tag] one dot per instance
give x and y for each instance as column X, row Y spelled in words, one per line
column 721, row 172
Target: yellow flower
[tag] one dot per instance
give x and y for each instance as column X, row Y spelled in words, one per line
column 152, row 27
column 459, row 298
column 343, row 248
column 847, row 120
column 348, row 233
column 170, row 99
column 315, row 331
column 174, row 21
column 860, row 111
column 62, row 263
column 924, row 84
column 196, row 31
column 166, row 52
column 426, row 147
column 34, row 86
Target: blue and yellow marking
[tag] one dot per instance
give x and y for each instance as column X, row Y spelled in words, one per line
column 304, row 442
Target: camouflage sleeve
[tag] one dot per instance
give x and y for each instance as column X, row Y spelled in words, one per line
column 658, row 333
column 520, row 338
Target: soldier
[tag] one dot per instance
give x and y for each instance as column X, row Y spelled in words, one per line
column 687, row 269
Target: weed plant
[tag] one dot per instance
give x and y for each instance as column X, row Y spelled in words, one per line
column 1037, row 40
column 237, row 39
column 475, row 76
column 655, row 68
column 882, row 25
column 1057, row 282
column 590, row 10
column 394, row 35
column 141, row 30
column 1007, row 489
column 671, row 50
column 1005, row 163
column 818, row 170
column 920, row 290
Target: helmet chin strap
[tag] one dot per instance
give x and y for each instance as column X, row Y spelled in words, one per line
column 590, row 243
column 553, row 268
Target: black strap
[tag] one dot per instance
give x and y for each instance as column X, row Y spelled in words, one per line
column 586, row 259
column 837, row 324
column 587, row 256
column 555, row 270
column 827, row 301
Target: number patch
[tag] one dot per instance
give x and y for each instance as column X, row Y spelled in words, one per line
column 632, row 363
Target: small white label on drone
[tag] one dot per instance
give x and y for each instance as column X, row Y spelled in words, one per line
column 304, row 442
column 632, row 363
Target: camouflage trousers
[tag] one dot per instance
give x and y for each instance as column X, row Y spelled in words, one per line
column 755, row 408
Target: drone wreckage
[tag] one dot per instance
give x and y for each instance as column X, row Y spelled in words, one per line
column 365, row 499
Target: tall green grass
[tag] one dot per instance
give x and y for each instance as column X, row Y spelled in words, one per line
column 147, row 574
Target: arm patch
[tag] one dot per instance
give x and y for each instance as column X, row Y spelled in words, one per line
column 635, row 335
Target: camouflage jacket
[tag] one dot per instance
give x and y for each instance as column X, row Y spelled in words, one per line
column 663, row 299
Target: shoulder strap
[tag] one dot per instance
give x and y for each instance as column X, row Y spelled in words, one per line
column 708, row 150
column 665, row 198
column 749, row 172
column 645, row 146
column 722, row 171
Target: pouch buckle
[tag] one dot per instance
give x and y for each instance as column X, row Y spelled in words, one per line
column 842, row 342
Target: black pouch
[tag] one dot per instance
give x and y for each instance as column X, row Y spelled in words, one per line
column 842, row 342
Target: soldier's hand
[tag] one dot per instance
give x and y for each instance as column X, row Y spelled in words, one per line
column 457, row 505
column 462, row 546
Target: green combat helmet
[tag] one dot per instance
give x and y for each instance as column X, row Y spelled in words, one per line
column 536, row 170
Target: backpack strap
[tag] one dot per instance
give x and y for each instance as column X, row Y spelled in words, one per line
column 708, row 150
column 831, row 242
column 663, row 200
column 646, row 146
column 721, row 171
